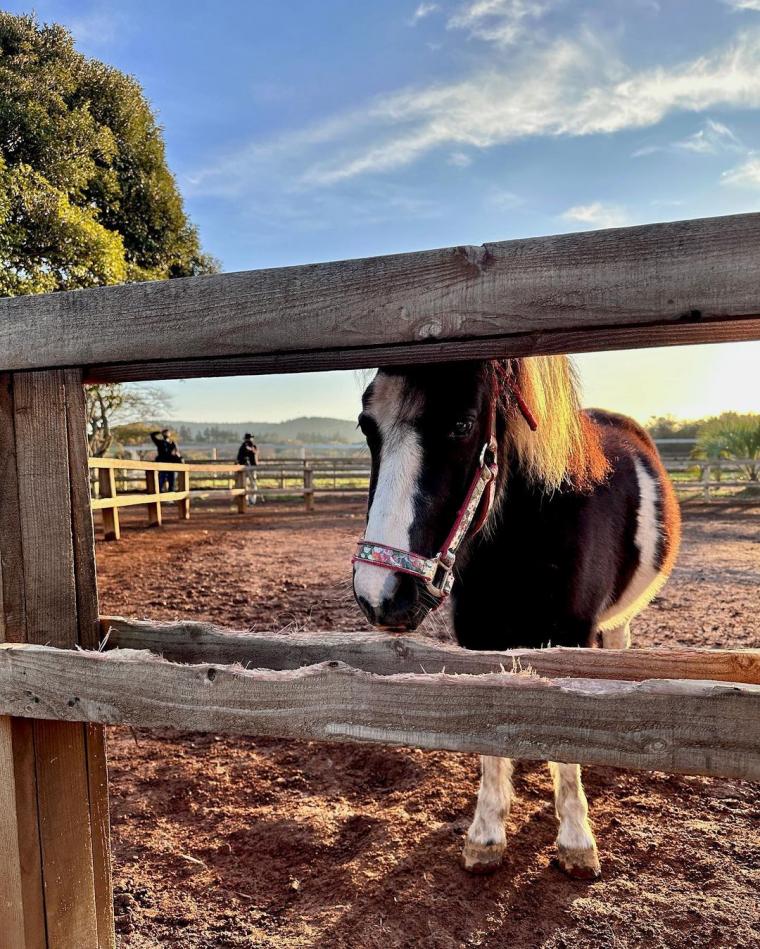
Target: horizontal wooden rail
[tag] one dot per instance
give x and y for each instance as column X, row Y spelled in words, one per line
column 688, row 727
column 385, row 654
column 132, row 464
column 133, row 500
column 659, row 284
column 313, row 482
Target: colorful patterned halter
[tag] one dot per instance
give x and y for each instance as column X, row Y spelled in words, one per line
column 437, row 573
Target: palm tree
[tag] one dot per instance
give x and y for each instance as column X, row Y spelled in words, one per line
column 732, row 436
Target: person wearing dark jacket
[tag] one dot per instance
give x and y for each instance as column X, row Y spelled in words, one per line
column 248, row 455
column 167, row 451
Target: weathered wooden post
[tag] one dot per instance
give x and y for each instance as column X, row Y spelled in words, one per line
column 55, row 883
column 153, row 487
column 706, row 481
column 241, row 500
column 183, row 505
column 107, row 485
column 308, row 486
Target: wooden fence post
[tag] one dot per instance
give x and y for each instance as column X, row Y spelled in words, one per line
column 308, row 486
column 241, row 500
column 107, row 484
column 706, row 481
column 153, row 486
column 54, row 848
column 183, row 484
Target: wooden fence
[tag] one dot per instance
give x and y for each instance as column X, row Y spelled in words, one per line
column 665, row 284
column 113, row 488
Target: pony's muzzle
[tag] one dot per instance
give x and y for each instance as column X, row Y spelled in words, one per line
column 398, row 607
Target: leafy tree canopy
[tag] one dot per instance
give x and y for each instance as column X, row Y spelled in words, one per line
column 86, row 197
column 731, row 435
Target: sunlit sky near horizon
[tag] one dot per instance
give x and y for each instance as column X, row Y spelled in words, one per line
column 307, row 131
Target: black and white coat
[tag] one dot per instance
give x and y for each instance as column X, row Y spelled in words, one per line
column 583, row 532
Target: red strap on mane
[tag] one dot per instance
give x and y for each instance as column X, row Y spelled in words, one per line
column 508, row 382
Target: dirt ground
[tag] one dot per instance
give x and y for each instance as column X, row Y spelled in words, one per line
column 223, row 842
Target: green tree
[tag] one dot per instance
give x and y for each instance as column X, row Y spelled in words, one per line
column 86, row 197
column 731, row 435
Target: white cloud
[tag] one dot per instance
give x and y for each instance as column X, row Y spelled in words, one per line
column 746, row 174
column 711, row 138
column 459, row 159
column 567, row 88
column 504, row 200
column 498, row 21
column 423, row 10
column 597, row 214
column 744, row 4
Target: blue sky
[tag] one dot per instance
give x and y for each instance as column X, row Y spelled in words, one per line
column 314, row 131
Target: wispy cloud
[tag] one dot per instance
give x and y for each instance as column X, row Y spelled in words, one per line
column 597, row 214
column 422, row 11
column 459, row 159
column 498, row 21
column 712, row 138
column 565, row 88
column 99, row 28
column 744, row 4
column 747, row 174
column 504, row 200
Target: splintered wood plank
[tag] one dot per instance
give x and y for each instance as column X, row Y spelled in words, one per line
column 386, row 654
column 41, row 418
column 687, row 727
column 587, row 288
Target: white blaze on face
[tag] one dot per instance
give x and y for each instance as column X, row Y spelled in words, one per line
column 392, row 512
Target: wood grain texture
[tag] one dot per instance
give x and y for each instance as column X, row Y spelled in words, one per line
column 584, row 339
column 11, row 880
column 22, row 866
column 629, row 280
column 385, row 654
column 88, row 632
column 694, row 727
column 54, row 533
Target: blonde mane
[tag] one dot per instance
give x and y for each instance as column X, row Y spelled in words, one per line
column 565, row 449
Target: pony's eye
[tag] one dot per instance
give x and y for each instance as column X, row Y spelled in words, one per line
column 368, row 427
column 462, row 428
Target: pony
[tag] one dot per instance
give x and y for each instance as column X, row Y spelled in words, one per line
column 547, row 524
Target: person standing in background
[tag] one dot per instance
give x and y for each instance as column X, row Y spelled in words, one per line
column 167, row 451
column 248, row 455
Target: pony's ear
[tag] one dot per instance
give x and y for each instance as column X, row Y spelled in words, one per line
column 565, row 448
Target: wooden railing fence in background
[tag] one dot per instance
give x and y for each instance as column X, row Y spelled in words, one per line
column 306, row 479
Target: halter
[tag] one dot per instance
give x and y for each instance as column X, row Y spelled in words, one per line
column 437, row 573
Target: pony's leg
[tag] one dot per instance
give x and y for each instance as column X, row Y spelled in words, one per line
column 486, row 840
column 618, row 638
column 576, row 847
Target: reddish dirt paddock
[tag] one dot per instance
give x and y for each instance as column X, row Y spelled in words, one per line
column 233, row 842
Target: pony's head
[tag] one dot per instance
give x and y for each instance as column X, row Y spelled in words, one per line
column 426, row 428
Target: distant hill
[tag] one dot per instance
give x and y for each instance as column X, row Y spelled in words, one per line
column 305, row 430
